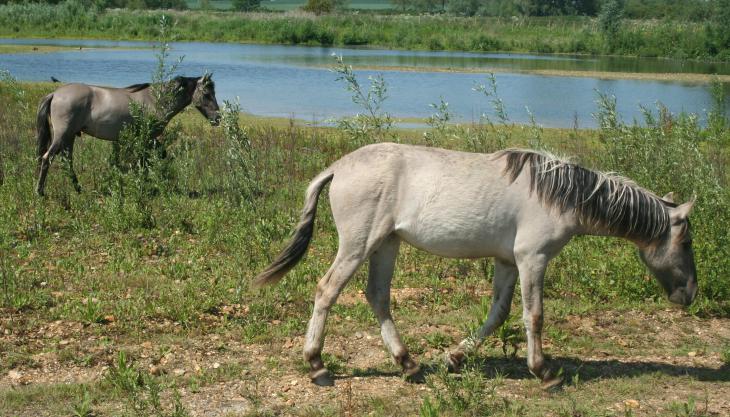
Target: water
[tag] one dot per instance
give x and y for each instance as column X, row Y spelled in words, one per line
column 293, row 81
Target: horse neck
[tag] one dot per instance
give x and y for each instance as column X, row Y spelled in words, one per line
column 630, row 225
column 176, row 105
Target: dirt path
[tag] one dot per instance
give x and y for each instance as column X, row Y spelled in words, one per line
column 646, row 363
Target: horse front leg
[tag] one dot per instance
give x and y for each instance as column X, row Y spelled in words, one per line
column 505, row 278
column 68, row 153
column 532, row 274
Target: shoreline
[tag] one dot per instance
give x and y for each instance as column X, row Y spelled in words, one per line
column 689, row 78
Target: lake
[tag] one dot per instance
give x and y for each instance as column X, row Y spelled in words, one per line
column 294, row 81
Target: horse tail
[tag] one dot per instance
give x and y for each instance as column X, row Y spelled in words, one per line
column 43, row 126
column 297, row 246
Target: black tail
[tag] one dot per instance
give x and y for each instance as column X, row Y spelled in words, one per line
column 297, row 246
column 43, row 126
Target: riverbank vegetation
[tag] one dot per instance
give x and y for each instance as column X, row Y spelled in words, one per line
column 610, row 34
column 138, row 289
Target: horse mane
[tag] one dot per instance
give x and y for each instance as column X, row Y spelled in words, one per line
column 136, row 87
column 179, row 80
column 600, row 200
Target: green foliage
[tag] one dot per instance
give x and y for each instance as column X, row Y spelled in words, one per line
column 609, row 20
column 472, row 394
column 83, row 408
column 245, row 5
column 726, row 355
column 139, row 159
column 375, row 124
column 141, row 390
column 319, row 7
column 514, row 33
column 560, row 7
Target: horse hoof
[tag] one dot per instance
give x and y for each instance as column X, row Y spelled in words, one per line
column 322, row 378
column 415, row 375
column 454, row 361
column 550, row 382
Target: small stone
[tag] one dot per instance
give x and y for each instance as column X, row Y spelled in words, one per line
column 15, row 375
column 216, row 365
column 294, row 382
column 692, row 354
column 631, row 404
column 178, row 372
column 64, row 342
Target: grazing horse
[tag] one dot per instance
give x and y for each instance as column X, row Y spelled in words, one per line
column 102, row 112
column 518, row 206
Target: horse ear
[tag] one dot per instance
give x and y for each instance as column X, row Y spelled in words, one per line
column 681, row 212
column 669, row 197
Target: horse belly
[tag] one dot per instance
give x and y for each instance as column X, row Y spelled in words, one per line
column 106, row 125
column 460, row 234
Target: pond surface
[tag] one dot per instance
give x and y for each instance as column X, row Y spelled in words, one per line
column 294, row 81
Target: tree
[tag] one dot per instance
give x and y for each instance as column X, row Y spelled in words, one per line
column 722, row 24
column 464, row 7
column 245, row 5
column 323, row 6
column 609, row 20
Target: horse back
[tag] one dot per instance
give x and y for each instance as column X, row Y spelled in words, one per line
column 450, row 203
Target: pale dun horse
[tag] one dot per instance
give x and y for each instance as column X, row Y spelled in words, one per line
column 517, row 206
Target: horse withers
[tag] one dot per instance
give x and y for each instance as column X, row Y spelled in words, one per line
column 102, row 112
column 517, row 206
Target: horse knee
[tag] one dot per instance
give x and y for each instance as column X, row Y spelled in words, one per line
column 533, row 322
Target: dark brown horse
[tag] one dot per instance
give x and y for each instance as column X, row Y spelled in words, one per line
column 102, row 112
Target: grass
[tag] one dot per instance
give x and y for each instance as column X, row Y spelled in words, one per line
column 141, row 294
column 526, row 34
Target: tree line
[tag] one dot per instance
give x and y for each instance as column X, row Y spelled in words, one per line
column 693, row 10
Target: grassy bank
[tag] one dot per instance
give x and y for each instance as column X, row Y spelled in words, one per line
column 164, row 278
column 545, row 35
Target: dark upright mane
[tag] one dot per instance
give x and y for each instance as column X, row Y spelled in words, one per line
column 136, row 87
column 598, row 199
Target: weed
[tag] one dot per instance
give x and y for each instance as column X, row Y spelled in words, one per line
column 83, row 407
column 726, row 355
column 375, row 124
column 689, row 408
column 141, row 390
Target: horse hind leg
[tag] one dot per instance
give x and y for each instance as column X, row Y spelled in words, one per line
column 505, row 278
column 328, row 289
column 56, row 146
column 382, row 264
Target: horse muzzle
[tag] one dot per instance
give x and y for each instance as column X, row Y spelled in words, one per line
column 684, row 295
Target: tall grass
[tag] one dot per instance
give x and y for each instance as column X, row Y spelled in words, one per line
column 524, row 34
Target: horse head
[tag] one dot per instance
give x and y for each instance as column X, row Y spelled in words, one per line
column 204, row 99
column 670, row 257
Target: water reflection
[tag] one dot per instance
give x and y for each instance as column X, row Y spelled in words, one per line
column 293, row 81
